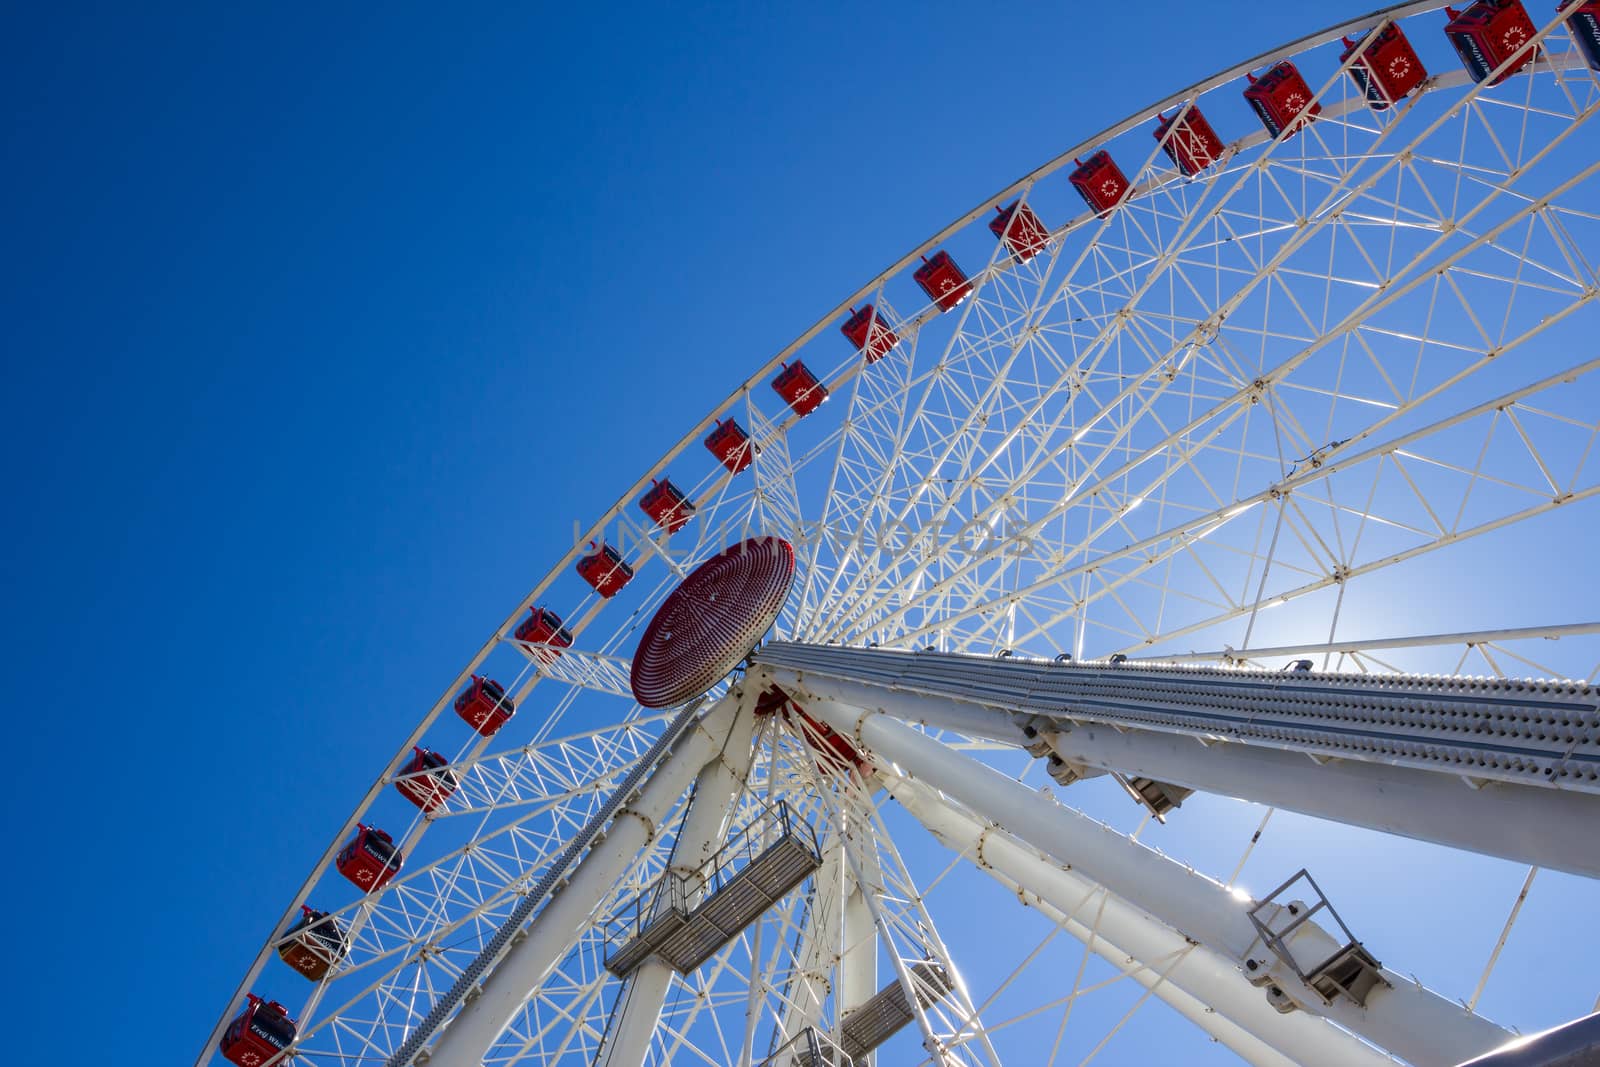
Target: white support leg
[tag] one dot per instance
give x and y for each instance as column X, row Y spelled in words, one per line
column 552, row 933
column 884, row 926
column 894, row 906
column 704, row 828
column 1405, row 1018
column 818, row 950
column 858, row 970
column 1204, row 986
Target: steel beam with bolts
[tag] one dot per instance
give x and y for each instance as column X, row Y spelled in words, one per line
column 1380, row 752
column 1203, row 985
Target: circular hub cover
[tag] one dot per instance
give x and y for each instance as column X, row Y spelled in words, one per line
column 710, row 623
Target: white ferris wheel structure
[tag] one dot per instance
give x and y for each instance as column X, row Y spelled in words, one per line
column 1126, row 491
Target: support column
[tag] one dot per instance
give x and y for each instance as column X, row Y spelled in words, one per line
column 1205, row 986
column 553, row 932
column 716, row 791
column 1405, row 1018
column 858, row 969
column 818, row 951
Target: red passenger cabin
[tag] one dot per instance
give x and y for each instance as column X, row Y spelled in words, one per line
column 1585, row 26
column 370, row 859
column 1024, row 234
column 257, row 1034
column 666, row 505
column 426, row 781
column 605, row 570
column 1489, row 33
column 543, row 627
column 869, row 333
column 731, row 445
column 1100, row 182
column 1282, row 100
column 944, row 282
column 1387, row 68
column 1193, row 146
column 314, row 944
column 800, row 388
column 485, row 706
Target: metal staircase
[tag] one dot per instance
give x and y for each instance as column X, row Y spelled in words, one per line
column 683, row 919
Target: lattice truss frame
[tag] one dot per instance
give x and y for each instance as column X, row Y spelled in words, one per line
column 1325, row 357
column 759, row 979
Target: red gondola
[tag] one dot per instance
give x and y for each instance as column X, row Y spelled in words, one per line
column 944, row 282
column 868, row 332
column 1388, row 69
column 314, row 944
column 1193, row 146
column 666, row 505
column 370, row 859
column 257, row 1034
column 543, row 627
column 427, row 782
column 800, row 388
column 1489, row 33
column 1100, row 182
column 1585, row 26
column 605, row 570
column 485, row 706
column 1024, row 234
column 1282, row 100
column 731, row 445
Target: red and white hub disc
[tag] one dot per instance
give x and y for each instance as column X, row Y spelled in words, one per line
column 710, row 623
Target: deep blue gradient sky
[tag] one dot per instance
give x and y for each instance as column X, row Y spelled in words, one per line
column 321, row 327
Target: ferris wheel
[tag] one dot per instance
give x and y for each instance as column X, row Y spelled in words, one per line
column 1188, row 467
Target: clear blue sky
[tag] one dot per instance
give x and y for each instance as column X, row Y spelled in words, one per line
column 320, row 329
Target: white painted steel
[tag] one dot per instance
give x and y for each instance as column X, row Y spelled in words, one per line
column 819, row 949
column 1274, row 654
column 1541, row 733
column 1407, row 1019
column 858, row 970
column 1545, row 827
column 1206, row 986
column 467, row 1038
column 704, row 827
